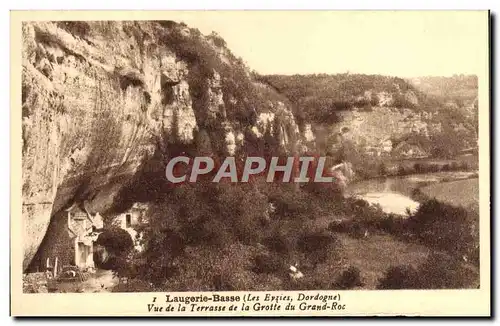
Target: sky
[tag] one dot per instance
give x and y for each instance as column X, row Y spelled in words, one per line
column 405, row 44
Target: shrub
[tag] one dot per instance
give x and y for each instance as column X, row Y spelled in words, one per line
column 155, row 263
column 439, row 271
column 382, row 169
column 218, row 41
column 242, row 208
column 392, row 225
column 292, row 204
column 278, row 243
column 349, row 279
column 205, row 215
column 117, row 263
column 418, row 195
column 205, row 269
column 442, row 271
column 210, row 232
column 443, row 227
column 133, row 285
column 435, row 224
column 315, row 241
column 399, row 277
column 363, row 217
column 268, row 263
column 340, row 226
column 116, row 241
column 318, row 247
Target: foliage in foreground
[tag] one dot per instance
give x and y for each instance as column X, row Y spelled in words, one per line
column 439, row 271
column 118, row 243
column 223, row 237
column 437, row 225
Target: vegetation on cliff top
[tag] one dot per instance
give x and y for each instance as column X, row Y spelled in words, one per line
column 459, row 89
column 207, row 55
column 318, row 97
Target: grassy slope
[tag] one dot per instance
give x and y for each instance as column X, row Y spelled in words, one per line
column 375, row 254
column 372, row 255
column 463, row 192
column 461, row 88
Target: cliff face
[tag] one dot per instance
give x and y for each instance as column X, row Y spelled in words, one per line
column 373, row 131
column 376, row 113
column 98, row 97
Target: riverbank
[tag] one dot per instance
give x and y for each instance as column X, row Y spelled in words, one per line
column 396, row 194
column 463, row 193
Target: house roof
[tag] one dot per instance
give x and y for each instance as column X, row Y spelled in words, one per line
column 404, row 146
column 75, row 205
column 401, row 145
column 140, row 206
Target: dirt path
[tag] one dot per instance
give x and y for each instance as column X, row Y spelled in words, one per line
column 101, row 281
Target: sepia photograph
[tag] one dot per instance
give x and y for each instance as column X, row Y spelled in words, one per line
column 258, row 162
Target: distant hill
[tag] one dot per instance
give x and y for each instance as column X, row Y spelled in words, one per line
column 439, row 114
column 319, row 97
column 460, row 89
column 458, row 93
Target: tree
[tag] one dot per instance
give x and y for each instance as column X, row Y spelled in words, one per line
column 349, row 278
column 444, row 227
column 116, row 241
column 382, row 169
column 118, row 244
column 203, row 143
column 399, row 277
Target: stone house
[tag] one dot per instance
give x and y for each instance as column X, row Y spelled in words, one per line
column 386, row 146
column 83, row 229
column 407, row 150
column 372, row 151
column 74, row 231
column 130, row 220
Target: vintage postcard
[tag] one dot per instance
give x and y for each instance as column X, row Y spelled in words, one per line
column 250, row 163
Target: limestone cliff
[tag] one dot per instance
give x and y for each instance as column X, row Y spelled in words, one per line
column 377, row 113
column 98, row 97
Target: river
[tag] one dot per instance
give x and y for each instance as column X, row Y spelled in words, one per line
column 393, row 194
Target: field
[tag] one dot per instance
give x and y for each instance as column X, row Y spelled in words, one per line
column 375, row 254
column 459, row 193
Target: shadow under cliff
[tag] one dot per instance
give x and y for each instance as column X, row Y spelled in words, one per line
column 147, row 185
column 99, row 193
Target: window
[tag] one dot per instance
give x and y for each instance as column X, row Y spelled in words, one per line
column 128, row 220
